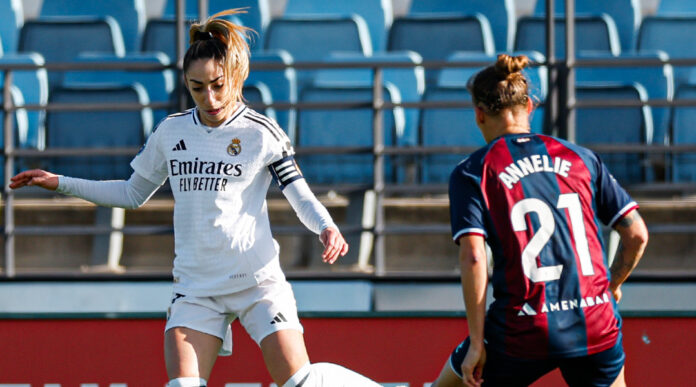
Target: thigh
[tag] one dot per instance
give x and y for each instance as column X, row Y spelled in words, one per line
column 503, row 370
column 188, row 352
column 601, row 369
column 284, row 353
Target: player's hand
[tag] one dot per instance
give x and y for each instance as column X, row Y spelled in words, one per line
column 472, row 367
column 35, row 177
column 617, row 293
column 335, row 245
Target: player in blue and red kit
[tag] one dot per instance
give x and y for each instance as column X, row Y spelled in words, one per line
column 538, row 202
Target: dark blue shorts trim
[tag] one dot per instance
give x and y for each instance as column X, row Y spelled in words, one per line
column 600, row 369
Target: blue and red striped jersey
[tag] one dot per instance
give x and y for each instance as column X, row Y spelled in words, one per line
column 539, row 202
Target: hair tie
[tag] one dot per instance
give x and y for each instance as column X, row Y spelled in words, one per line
column 204, row 35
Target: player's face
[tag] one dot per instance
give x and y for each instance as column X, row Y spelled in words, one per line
column 206, row 82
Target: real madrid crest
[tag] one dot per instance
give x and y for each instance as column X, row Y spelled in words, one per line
column 235, row 147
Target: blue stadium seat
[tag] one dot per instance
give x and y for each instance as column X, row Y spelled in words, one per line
column 446, row 127
column 11, row 21
column 257, row 16
column 409, row 81
column 33, row 85
column 21, row 126
column 658, row 81
column 130, row 15
column 616, row 125
column 259, row 93
column 683, row 118
column 63, row 39
column 377, row 14
column 500, row 14
column 625, row 13
column 341, row 128
column 158, row 84
column 424, row 35
column 458, row 77
column 593, row 33
column 282, row 84
column 673, row 35
column 314, row 38
column 675, row 7
column 97, row 129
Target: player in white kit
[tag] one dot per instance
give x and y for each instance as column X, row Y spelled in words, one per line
column 220, row 158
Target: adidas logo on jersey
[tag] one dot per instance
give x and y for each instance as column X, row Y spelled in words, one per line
column 527, row 310
column 278, row 318
column 180, row 146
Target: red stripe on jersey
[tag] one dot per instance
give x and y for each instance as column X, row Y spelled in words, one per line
column 521, row 330
column 600, row 323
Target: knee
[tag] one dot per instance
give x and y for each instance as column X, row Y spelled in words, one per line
column 187, row 382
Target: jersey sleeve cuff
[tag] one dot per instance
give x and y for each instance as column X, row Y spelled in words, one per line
column 469, row 231
column 627, row 208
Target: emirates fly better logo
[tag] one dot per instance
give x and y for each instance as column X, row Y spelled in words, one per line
column 235, row 147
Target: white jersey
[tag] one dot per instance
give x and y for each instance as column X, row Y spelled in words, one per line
column 219, row 179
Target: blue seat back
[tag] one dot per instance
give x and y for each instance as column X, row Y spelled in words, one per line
column 593, row 33
column 130, row 15
column 314, row 38
column 259, row 93
column 256, row 17
column 658, row 81
column 409, row 81
column 683, row 119
column 97, row 129
column 625, row 13
column 64, row 39
column 446, row 127
column 341, row 128
column 376, row 13
column 673, row 35
column 158, row 84
column 11, row 22
column 419, row 34
column 616, row 125
column 33, row 85
column 675, row 7
column 281, row 83
column 500, row 14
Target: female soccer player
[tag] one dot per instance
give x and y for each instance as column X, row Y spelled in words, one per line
column 220, row 158
column 538, row 202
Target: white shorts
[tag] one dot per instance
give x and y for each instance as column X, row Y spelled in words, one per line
column 263, row 309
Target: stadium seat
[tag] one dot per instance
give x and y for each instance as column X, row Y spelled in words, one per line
column 409, row 81
column 376, row 13
column 500, row 14
column 341, row 128
column 257, row 16
column 683, row 118
column 259, row 93
column 130, row 15
column 63, row 39
column 599, row 126
column 593, row 33
column 446, row 127
column 658, row 81
column 33, row 85
column 97, row 129
column 675, row 7
column 11, row 21
column 158, row 84
column 282, row 84
column 312, row 39
column 458, row 77
column 673, row 35
column 625, row 13
column 419, row 34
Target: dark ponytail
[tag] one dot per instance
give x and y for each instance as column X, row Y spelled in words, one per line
column 501, row 85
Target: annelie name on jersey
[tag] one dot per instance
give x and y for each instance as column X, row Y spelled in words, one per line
column 218, row 172
column 533, row 164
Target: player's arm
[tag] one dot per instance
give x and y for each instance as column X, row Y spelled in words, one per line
column 474, row 272
column 634, row 238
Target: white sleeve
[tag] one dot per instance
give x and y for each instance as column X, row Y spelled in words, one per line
column 307, row 207
column 131, row 193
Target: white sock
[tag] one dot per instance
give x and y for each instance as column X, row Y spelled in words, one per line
column 328, row 375
column 187, row 382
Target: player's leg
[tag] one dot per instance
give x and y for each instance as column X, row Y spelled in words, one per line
column 328, row 375
column 602, row 369
column 284, row 353
column 447, row 377
column 620, row 380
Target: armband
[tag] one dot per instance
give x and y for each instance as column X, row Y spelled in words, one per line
column 285, row 171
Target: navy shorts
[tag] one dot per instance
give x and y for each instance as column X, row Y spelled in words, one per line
column 600, row 369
